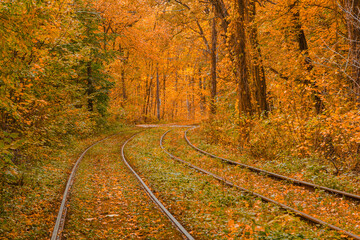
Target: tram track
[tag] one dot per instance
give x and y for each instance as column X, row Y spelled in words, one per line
column 264, row 198
column 274, row 175
column 152, row 196
column 61, row 216
column 62, row 213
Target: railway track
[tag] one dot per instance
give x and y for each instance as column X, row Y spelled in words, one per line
column 185, row 233
column 274, row 175
column 61, row 217
column 264, row 198
column 60, row 220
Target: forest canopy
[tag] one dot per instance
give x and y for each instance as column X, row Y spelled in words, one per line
column 265, row 77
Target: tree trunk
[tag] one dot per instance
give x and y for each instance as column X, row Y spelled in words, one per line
column 145, row 95
column 123, row 84
column 240, row 61
column 352, row 8
column 148, row 95
column 193, row 98
column 157, row 94
column 188, row 103
column 222, row 12
column 258, row 68
column 175, row 102
column 213, row 68
column 90, row 88
column 164, row 95
column 303, row 47
column 202, row 97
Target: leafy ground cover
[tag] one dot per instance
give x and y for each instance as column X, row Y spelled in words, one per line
column 29, row 204
column 335, row 210
column 109, row 203
column 306, row 169
column 208, row 209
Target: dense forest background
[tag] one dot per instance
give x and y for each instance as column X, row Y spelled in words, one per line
column 269, row 78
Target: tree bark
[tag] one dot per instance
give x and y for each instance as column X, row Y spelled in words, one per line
column 148, row 96
column 213, row 68
column 258, row 68
column 164, row 95
column 352, row 8
column 193, row 109
column 175, row 102
column 123, row 84
column 90, row 88
column 222, row 12
column 240, row 61
column 303, row 48
column 157, row 94
column 202, row 96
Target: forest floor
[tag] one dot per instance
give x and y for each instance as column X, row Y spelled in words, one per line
column 28, row 206
column 107, row 202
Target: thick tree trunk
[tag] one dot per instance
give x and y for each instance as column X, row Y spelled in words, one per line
column 352, row 8
column 213, row 68
column 258, row 68
column 240, row 61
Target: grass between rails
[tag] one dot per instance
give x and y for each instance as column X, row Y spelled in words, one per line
column 29, row 206
column 108, row 202
column 340, row 212
column 306, row 169
column 208, row 209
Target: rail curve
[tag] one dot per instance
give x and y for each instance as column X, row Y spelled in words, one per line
column 274, row 175
column 153, row 197
column 266, row 199
column 60, row 220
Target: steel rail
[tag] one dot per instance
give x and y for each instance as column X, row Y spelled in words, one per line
column 153, row 197
column 221, row 179
column 60, row 220
column 275, row 175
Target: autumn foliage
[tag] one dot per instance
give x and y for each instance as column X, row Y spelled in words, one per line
column 268, row 78
column 285, row 82
column 271, row 80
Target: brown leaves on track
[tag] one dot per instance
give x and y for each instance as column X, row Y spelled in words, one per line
column 208, row 209
column 108, row 202
column 338, row 211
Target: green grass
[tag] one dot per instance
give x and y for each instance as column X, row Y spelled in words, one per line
column 103, row 186
column 340, row 212
column 30, row 202
column 208, row 209
column 307, row 169
column 109, row 203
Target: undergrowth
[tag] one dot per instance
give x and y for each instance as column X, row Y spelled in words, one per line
column 270, row 146
column 31, row 189
column 208, row 209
